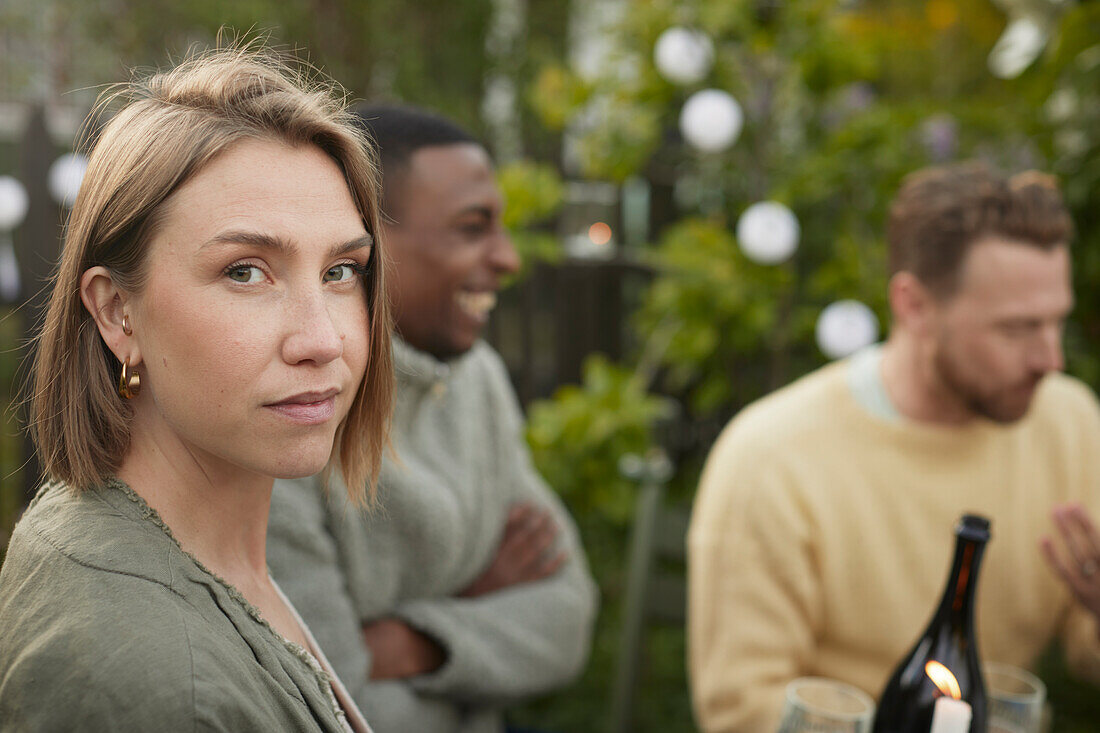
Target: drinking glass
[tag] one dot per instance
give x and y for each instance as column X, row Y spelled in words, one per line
column 1016, row 699
column 820, row 705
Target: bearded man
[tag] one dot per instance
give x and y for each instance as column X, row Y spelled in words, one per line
column 822, row 531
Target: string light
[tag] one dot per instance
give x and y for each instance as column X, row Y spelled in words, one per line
column 13, row 209
column 13, row 203
column 711, row 120
column 768, row 232
column 683, row 56
column 845, row 327
column 65, row 176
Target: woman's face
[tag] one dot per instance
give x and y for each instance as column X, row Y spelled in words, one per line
column 252, row 328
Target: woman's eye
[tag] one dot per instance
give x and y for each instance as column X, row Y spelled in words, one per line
column 244, row 273
column 339, row 273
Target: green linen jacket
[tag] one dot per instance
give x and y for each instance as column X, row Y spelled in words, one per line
column 106, row 624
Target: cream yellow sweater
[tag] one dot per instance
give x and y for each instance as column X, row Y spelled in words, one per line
column 821, row 539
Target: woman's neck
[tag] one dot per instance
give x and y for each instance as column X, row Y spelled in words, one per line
column 217, row 511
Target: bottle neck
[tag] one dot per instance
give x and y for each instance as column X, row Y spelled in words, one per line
column 957, row 605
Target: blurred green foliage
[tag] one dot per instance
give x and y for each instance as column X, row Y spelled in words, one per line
column 417, row 51
column 841, row 100
column 533, row 193
column 578, row 438
column 557, row 95
column 365, row 45
column 707, row 308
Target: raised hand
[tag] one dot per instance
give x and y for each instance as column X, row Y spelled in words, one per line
column 525, row 552
column 1077, row 557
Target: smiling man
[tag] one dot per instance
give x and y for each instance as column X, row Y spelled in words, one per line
column 466, row 589
column 821, row 534
column 450, row 250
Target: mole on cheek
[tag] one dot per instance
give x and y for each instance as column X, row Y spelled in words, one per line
column 164, row 360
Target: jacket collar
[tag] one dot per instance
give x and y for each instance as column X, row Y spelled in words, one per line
column 420, row 367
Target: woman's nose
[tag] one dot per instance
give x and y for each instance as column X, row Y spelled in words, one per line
column 312, row 335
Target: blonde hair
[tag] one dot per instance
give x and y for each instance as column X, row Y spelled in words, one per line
column 172, row 125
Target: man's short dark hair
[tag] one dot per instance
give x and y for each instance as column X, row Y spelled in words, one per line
column 398, row 131
column 939, row 213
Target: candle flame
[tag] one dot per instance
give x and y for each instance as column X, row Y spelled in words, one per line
column 941, row 676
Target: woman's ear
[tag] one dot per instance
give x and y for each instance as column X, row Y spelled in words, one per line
column 108, row 306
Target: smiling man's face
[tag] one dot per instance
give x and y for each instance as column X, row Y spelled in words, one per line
column 449, row 248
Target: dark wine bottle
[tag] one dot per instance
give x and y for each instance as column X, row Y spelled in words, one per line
column 909, row 699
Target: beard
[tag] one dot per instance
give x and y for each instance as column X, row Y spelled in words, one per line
column 1004, row 405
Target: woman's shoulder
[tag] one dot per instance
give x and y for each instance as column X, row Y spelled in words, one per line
column 149, row 667
column 84, row 644
column 71, row 676
column 91, row 571
column 98, row 637
column 106, row 528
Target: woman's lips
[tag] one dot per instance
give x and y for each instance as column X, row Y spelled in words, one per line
column 311, row 408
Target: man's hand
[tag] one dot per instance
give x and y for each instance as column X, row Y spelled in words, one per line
column 1078, row 560
column 523, row 554
column 398, row 650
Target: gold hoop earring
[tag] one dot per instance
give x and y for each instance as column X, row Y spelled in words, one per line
column 126, row 326
column 129, row 383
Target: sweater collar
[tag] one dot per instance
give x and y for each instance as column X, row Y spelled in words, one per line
column 419, row 367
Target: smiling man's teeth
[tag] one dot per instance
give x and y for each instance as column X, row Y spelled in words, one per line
column 477, row 305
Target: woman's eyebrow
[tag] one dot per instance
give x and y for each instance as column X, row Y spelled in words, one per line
column 282, row 246
column 255, row 239
column 352, row 245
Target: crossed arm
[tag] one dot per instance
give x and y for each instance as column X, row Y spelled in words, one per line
column 520, row 628
column 526, row 553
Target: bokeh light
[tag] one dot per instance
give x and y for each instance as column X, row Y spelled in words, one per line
column 768, row 232
column 845, row 327
column 599, row 233
column 683, row 56
column 13, row 203
column 711, row 120
column 65, row 177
